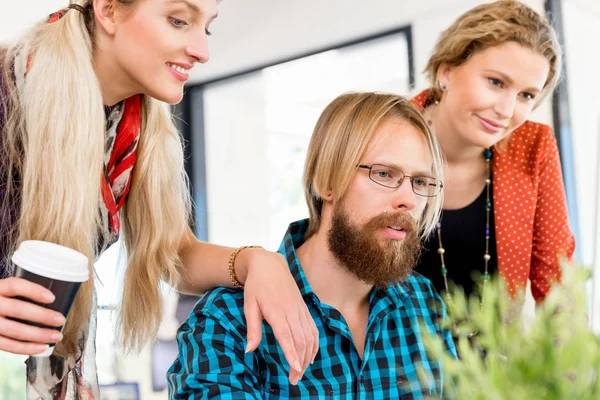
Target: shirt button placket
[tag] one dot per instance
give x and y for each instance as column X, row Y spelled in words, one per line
column 362, row 393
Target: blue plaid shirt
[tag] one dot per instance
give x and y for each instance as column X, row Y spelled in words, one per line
column 212, row 362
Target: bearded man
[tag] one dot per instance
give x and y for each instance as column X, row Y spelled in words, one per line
column 373, row 185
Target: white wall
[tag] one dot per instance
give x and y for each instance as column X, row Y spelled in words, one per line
column 265, row 31
column 17, row 16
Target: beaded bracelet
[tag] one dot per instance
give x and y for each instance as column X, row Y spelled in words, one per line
column 234, row 280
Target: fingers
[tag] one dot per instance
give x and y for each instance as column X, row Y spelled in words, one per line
column 308, row 341
column 12, row 287
column 314, row 334
column 283, row 334
column 254, row 323
column 300, row 344
column 21, row 338
column 30, row 312
column 28, row 333
column 17, row 347
column 306, row 336
column 273, row 290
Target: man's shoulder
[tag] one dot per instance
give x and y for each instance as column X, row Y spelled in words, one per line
column 225, row 305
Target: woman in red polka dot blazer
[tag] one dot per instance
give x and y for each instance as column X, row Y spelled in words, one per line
column 504, row 206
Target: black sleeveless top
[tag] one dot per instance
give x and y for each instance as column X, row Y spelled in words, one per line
column 463, row 238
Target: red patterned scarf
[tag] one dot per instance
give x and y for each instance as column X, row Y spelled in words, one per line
column 118, row 170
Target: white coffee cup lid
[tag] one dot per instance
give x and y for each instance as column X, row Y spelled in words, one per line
column 52, row 261
column 46, row 353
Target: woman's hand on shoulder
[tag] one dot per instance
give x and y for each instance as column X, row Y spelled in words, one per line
column 271, row 293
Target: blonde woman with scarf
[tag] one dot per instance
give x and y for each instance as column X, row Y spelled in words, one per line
column 90, row 153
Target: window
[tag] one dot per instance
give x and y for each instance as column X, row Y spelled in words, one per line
column 257, row 127
column 580, row 21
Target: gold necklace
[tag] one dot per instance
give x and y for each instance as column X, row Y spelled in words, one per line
column 487, row 154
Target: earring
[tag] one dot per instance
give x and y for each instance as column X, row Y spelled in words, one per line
column 385, row 211
column 443, row 87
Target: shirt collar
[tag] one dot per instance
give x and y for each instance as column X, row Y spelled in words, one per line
column 295, row 237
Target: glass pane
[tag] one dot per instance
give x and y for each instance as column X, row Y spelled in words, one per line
column 258, row 127
column 582, row 20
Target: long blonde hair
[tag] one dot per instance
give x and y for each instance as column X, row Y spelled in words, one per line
column 339, row 141
column 490, row 25
column 53, row 140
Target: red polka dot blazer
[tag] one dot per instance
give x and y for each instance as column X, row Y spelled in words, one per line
column 530, row 211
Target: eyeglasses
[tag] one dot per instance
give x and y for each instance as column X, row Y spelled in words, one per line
column 392, row 178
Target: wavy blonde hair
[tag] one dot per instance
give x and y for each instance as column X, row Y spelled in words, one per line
column 490, row 25
column 57, row 151
column 340, row 139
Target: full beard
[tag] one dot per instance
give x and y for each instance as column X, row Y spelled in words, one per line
column 375, row 261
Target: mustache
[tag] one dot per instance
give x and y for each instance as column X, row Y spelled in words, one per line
column 406, row 221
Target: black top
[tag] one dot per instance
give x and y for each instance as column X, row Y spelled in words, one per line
column 463, row 238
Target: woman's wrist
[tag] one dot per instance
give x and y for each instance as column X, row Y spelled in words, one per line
column 243, row 262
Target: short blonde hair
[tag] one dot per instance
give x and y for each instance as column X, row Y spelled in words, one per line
column 340, row 139
column 490, row 25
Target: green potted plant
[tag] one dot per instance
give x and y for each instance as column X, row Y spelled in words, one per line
column 555, row 356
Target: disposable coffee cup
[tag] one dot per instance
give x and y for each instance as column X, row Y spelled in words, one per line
column 57, row 268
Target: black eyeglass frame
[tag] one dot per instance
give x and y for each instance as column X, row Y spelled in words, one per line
column 440, row 185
